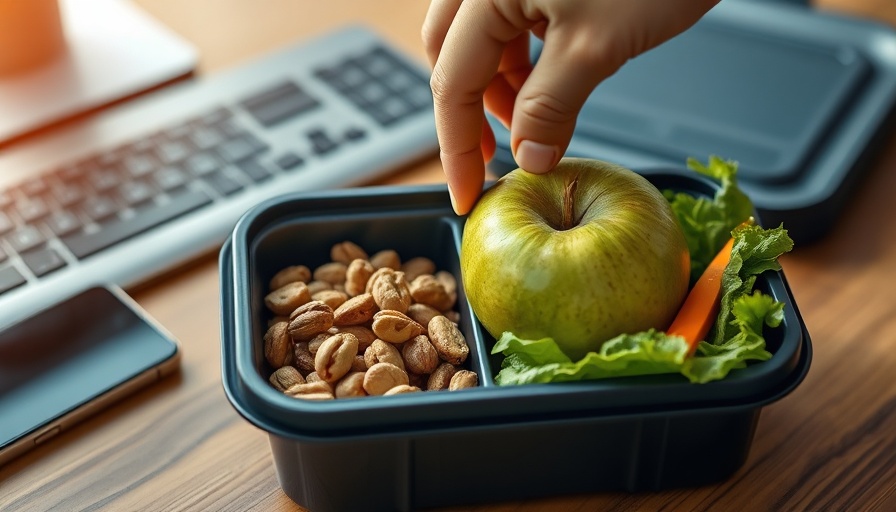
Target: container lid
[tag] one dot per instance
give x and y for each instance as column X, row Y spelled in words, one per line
column 797, row 96
column 486, row 406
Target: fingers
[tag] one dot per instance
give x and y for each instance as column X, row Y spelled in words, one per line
column 547, row 105
column 469, row 59
column 514, row 69
column 480, row 56
column 515, row 61
column 488, row 143
column 462, row 156
column 438, row 18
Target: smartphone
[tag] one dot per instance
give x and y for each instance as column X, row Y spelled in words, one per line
column 71, row 360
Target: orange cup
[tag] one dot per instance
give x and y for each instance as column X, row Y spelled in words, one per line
column 31, row 34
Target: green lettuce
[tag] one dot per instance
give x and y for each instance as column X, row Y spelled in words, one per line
column 707, row 223
column 737, row 336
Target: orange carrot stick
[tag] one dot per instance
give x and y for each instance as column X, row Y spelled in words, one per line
column 701, row 306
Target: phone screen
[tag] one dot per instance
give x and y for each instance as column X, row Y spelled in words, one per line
column 70, row 354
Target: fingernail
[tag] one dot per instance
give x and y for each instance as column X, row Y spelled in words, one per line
column 536, row 157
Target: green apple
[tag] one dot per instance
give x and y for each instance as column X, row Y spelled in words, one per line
column 581, row 254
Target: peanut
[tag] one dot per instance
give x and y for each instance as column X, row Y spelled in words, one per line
column 278, row 346
column 287, row 298
column 419, row 355
column 346, row 252
column 309, row 320
column 356, row 276
column 355, row 311
column 448, row 340
column 350, row 385
column 381, row 352
column 382, row 377
column 463, row 379
column 418, row 266
column 290, row 275
column 311, row 391
column 426, row 289
column 390, row 290
column 333, row 272
column 386, row 258
column 395, row 327
column 335, row 356
column 286, row 377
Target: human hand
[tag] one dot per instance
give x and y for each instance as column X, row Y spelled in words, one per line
column 479, row 50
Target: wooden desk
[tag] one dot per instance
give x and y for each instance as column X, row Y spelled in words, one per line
column 830, row 445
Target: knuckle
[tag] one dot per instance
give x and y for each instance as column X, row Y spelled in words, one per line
column 439, row 83
column 546, row 107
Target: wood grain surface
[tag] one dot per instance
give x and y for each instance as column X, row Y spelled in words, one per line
column 830, row 445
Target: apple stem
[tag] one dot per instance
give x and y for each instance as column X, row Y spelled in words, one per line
column 569, row 205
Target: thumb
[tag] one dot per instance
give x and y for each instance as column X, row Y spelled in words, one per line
column 549, row 102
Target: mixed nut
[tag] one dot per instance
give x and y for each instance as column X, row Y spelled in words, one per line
column 364, row 325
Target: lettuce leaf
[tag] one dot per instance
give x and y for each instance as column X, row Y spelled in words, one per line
column 542, row 360
column 755, row 251
column 737, row 337
column 706, row 223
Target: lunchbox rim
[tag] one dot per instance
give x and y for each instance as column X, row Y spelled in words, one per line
column 256, row 400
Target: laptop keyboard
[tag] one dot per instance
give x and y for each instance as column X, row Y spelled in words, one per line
column 350, row 109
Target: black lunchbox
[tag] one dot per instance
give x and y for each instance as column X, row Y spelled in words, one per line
column 483, row 444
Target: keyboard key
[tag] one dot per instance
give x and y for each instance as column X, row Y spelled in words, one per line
column 141, row 145
column 240, row 148
column 419, row 97
column 254, row 170
column 83, row 245
column 396, row 107
column 353, row 77
column 379, row 63
column 321, row 143
column 216, row 116
column 174, row 151
column 33, row 187
column 179, row 132
column 109, row 158
column 355, row 133
column 222, row 183
column 32, row 209
column 5, row 198
column 63, row 222
column 43, row 261
column 206, row 138
column 10, row 278
column 71, row 172
column 68, row 194
column 400, row 81
column 136, row 192
column 6, row 223
column 289, row 161
column 381, row 116
column 25, row 238
column 104, row 179
column 279, row 103
column 101, row 208
column 139, row 164
column 229, row 128
column 373, row 92
column 170, row 178
column 201, row 164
